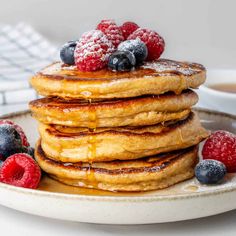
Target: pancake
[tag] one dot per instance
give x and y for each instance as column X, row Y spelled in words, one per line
column 106, row 144
column 156, row 77
column 139, row 111
column 145, row 174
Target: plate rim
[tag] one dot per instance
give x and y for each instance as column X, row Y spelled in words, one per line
column 147, row 198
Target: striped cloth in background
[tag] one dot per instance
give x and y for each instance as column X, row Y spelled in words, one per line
column 23, row 51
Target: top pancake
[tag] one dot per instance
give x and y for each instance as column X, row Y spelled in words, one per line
column 156, row 77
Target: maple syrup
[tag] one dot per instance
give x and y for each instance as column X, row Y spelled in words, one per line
column 224, row 87
column 50, row 185
column 92, row 142
column 192, row 188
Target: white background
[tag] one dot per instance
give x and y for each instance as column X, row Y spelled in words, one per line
column 200, row 30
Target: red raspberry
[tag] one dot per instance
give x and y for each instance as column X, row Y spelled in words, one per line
column 128, row 28
column 20, row 131
column 221, row 146
column 154, row 42
column 112, row 31
column 92, row 51
column 20, row 170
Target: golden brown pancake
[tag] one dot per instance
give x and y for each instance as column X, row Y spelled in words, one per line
column 106, row 144
column 145, row 174
column 144, row 110
column 156, row 77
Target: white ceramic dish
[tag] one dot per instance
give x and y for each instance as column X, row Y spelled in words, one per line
column 187, row 200
column 218, row 100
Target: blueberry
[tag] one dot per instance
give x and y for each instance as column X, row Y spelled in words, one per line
column 10, row 141
column 30, row 151
column 67, row 52
column 1, row 161
column 210, row 171
column 121, row 61
column 137, row 47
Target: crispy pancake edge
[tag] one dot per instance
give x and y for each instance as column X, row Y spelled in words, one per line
column 157, row 172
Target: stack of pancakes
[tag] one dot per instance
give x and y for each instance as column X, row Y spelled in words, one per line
column 119, row 131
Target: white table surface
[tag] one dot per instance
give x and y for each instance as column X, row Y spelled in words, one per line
column 16, row 223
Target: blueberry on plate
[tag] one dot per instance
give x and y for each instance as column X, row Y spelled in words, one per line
column 67, row 52
column 121, row 61
column 28, row 150
column 10, row 141
column 1, row 161
column 210, row 171
column 137, row 47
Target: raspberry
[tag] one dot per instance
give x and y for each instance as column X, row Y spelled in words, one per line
column 154, row 42
column 112, row 31
column 92, row 51
column 221, row 146
column 19, row 130
column 128, row 28
column 20, row 170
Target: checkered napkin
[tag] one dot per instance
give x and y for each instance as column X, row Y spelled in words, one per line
column 23, row 51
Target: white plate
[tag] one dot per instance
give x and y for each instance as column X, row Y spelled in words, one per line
column 187, row 200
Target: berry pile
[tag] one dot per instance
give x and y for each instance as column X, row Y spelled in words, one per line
column 16, row 157
column 219, row 157
column 221, row 146
column 120, row 48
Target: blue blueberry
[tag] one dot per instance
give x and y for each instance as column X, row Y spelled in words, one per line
column 10, row 141
column 137, row 47
column 67, row 52
column 210, row 171
column 30, row 151
column 121, row 61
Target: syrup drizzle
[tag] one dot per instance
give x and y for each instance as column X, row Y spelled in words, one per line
column 92, row 125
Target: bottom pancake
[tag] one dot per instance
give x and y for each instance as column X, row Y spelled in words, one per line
column 149, row 173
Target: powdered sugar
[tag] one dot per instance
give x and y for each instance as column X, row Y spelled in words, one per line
column 167, row 67
column 154, row 42
column 112, row 31
column 92, row 51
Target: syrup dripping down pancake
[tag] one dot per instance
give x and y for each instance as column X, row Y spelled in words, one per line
column 149, row 173
column 69, row 144
column 139, row 111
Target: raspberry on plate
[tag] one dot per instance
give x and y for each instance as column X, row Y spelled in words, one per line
column 221, row 146
column 154, row 42
column 112, row 31
column 24, row 139
column 20, row 170
column 92, row 51
column 128, row 28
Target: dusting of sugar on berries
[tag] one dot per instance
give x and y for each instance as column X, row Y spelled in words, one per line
column 92, row 51
column 128, row 28
column 154, row 42
column 112, row 31
column 20, row 131
column 221, row 146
